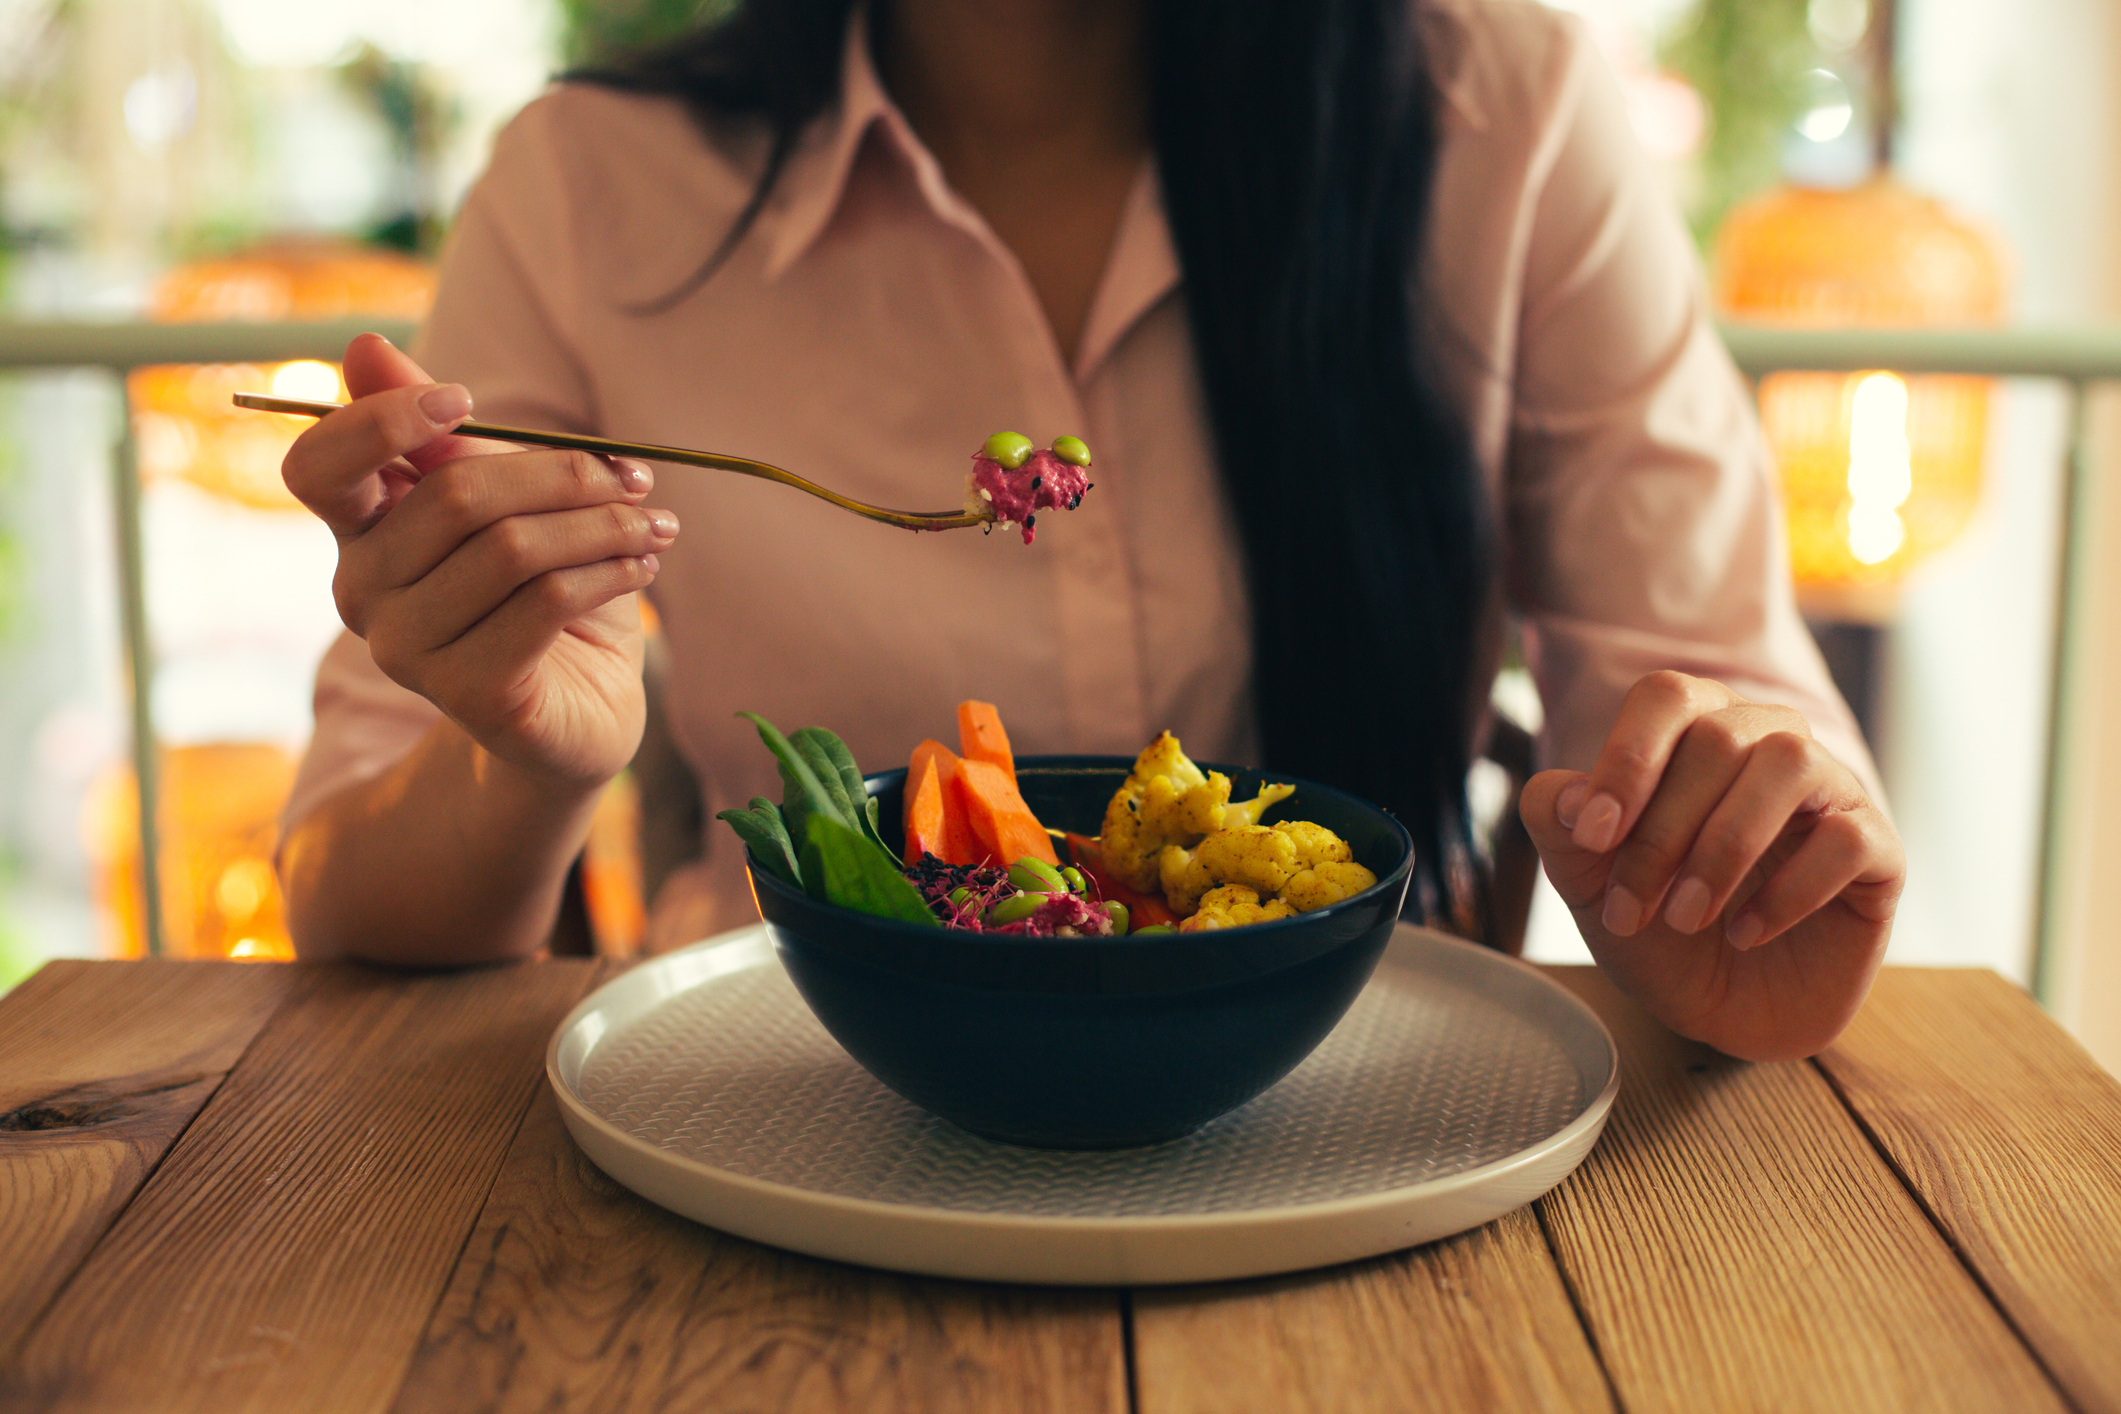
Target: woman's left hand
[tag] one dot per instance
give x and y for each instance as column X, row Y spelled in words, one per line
column 1729, row 874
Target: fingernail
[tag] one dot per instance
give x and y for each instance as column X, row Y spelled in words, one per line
column 1569, row 804
column 652, row 563
column 1598, row 828
column 445, row 404
column 1689, row 908
column 1623, row 912
column 1745, row 930
column 664, row 523
column 634, row 476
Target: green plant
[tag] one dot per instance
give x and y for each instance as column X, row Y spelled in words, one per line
column 1748, row 60
column 419, row 116
column 593, row 31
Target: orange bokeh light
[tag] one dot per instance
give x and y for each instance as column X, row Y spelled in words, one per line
column 1878, row 255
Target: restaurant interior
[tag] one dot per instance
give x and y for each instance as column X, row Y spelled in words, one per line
column 1905, row 211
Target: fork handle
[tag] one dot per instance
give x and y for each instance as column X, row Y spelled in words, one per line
column 606, row 446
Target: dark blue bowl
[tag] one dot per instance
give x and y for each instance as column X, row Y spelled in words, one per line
column 1091, row 1043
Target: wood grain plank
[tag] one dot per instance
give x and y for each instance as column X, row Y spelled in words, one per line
column 1736, row 1243
column 102, row 1065
column 2010, row 1134
column 1479, row 1322
column 289, row 1251
column 574, row 1294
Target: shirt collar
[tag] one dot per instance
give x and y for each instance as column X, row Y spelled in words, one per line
column 814, row 185
column 815, row 179
column 1446, row 44
column 1140, row 270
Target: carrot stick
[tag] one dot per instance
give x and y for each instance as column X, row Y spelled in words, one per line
column 981, row 738
column 924, row 810
column 952, row 840
column 1005, row 826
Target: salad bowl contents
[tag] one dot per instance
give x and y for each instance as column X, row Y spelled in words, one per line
column 1046, row 1001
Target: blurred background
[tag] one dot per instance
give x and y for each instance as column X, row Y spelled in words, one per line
column 1845, row 164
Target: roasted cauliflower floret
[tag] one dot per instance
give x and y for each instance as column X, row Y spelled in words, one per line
column 1315, row 844
column 1168, row 801
column 1326, row 883
column 1128, row 843
column 1233, row 906
column 1304, row 863
column 1259, row 857
column 1192, row 811
column 1248, row 812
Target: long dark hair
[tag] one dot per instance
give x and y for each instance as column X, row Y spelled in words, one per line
column 1296, row 141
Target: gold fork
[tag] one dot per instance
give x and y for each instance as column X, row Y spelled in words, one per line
column 682, row 456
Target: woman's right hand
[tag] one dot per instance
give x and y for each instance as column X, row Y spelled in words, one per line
column 497, row 583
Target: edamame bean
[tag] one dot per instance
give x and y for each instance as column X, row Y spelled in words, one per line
column 1152, row 929
column 1117, row 912
column 1074, row 878
column 1011, row 449
column 1072, row 450
column 1036, row 876
column 1015, row 910
column 959, row 895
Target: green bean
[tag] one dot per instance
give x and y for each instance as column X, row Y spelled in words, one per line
column 1036, row 876
column 1016, row 909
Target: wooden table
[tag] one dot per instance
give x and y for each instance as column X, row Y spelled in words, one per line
column 236, row 1186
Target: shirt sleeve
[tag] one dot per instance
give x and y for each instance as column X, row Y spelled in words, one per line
column 1642, row 525
column 365, row 725
column 500, row 333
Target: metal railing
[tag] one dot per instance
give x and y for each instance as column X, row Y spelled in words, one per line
column 2077, row 357
column 119, row 348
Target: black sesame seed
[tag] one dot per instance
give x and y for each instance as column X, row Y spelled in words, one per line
column 1030, row 522
column 1035, row 480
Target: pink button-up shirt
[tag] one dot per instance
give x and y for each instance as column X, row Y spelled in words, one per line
column 870, row 331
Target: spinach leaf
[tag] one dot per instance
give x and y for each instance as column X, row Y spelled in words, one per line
column 847, row 868
column 803, row 794
column 825, row 835
column 809, row 744
column 762, row 828
column 829, row 756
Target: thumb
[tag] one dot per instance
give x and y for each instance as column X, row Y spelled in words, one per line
column 375, row 365
column 1578, row 875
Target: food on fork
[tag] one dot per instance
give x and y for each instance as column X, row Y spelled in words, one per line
column 1012, row 479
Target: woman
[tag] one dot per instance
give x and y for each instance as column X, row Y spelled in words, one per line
column 1437, row 356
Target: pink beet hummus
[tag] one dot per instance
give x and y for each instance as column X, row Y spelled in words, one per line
column 1044, row 482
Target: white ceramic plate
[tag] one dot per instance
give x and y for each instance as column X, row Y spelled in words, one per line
column 1461, row 1085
